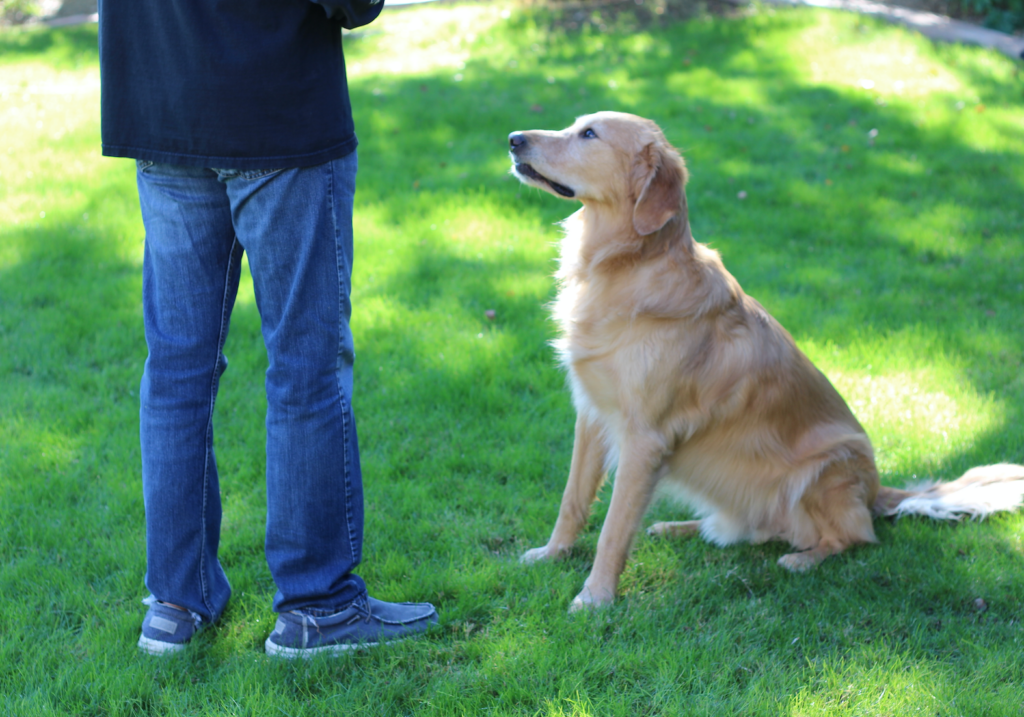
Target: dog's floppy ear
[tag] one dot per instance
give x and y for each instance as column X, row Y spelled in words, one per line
column 662, row 176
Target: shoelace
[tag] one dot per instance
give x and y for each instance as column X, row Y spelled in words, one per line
column 362, row 607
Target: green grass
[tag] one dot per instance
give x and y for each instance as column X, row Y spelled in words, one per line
column 894, row 259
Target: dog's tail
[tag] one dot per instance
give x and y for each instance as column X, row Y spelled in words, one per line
column 977, row 493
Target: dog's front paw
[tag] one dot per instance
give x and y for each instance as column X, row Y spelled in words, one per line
column 591, row 599
column 657, row 530
column 535, row 554
column 800, row 562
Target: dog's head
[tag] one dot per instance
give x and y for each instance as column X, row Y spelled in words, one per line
column 607, row 158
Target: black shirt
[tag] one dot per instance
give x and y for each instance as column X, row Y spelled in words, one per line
column 234, row 84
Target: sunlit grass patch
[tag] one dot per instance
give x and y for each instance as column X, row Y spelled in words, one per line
column 916, row 430
column 443, row 39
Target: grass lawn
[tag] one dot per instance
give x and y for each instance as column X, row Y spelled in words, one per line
column 881, row 221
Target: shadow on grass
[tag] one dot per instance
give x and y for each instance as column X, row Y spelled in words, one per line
column 70, row 337
column 65, row 48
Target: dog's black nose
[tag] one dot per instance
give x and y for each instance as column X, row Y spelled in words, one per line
column 516, row 140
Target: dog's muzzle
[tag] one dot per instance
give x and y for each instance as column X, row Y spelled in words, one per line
column 518, row 143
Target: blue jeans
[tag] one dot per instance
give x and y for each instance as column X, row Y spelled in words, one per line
column 295, row 225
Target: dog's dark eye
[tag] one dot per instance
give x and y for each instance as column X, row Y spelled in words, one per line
column 588, row 134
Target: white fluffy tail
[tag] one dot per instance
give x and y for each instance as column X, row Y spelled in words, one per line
column 978, row 493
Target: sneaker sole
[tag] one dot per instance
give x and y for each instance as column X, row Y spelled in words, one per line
column 291, row 653
column 158, row 647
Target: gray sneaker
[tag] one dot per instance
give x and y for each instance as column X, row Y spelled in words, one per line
column 166, row 629
column 365, row 623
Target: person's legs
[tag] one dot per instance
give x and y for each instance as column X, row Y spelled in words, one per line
column 296, row 227
column 190, row 277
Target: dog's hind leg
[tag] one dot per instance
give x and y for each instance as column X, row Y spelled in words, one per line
column 809, row 559
column 586, row 473
column 678, row 529
column 837, row 504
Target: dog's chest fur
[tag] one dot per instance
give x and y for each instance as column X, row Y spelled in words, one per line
column 607, row 340
column 588, row 353
column 672, row 329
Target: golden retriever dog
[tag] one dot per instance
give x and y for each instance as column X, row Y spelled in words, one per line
column 679, row 377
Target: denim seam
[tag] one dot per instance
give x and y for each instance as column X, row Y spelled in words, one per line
column 214, row 384
column 346, row 427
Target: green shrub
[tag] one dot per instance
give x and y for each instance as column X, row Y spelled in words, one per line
column 1002, row 15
